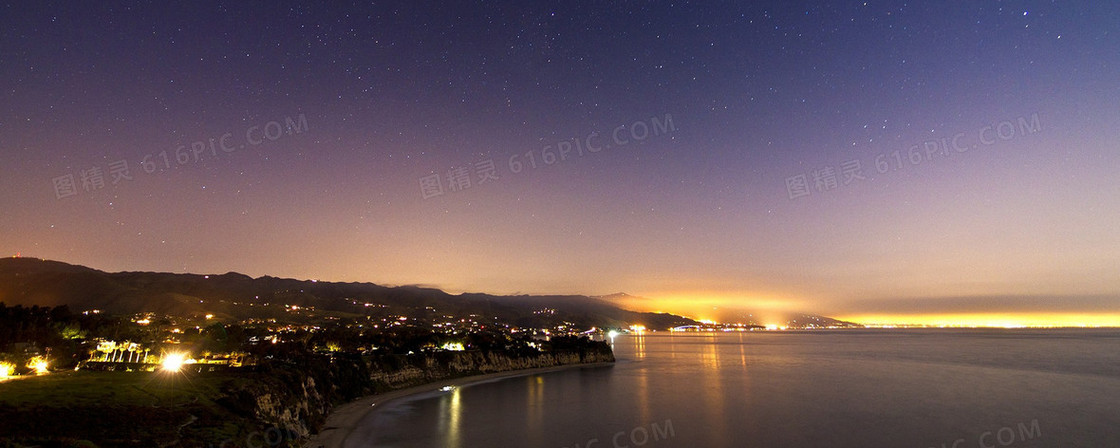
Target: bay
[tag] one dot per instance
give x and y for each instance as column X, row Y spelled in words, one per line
column 846, row 388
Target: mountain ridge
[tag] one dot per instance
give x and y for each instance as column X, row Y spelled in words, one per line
column 236, row 296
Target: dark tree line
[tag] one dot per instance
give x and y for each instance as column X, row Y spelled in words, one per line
column 36, row 324
column 60, row 334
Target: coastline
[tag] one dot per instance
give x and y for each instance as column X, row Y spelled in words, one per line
column 342, row 420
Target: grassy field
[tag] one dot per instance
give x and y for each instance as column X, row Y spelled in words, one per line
column 117, row 409
column 86, row 388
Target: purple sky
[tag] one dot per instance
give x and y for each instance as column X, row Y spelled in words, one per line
column 768, row 157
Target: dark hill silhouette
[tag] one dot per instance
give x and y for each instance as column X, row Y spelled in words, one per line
column 29, row 281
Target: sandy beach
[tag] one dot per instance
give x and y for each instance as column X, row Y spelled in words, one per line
column 343, row 419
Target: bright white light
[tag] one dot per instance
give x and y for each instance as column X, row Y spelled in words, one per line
column 612, row 334
column 39, row 365
column 174, row 362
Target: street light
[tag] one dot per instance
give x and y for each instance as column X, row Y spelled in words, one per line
column 173, row 362
column 39, row 365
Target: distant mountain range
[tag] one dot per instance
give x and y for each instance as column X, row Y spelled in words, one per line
column 233, row 296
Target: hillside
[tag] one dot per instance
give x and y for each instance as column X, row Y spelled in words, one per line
column 233, row 296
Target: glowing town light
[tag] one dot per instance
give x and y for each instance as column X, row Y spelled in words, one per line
column 39, row 365
column 612, row 334
column 6, row 370
column 174, row 362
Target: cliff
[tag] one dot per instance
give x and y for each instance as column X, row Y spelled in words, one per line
column 292, row 402
column 281, row 403
column 398, row 372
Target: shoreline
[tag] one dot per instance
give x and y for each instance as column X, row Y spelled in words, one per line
column 343, row 419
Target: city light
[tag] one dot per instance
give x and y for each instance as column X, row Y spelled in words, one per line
column 6, row 370
column 173, row 362
column 39, row 365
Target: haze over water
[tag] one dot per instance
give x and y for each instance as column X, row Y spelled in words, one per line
column 865, row 388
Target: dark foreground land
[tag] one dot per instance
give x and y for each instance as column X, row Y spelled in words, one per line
column 287, row 400
column 150, row 359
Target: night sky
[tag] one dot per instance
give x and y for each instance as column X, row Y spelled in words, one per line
column 879, row 161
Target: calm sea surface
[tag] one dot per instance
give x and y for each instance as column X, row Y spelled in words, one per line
column 857, row 388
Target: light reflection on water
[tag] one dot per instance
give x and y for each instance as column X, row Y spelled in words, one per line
column 450, row 420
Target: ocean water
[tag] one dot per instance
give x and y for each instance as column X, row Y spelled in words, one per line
column 847, row 388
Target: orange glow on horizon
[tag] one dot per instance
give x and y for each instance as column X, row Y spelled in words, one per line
column 715, row 306
column 995, row 320
column 770, row 310
column 703, row 307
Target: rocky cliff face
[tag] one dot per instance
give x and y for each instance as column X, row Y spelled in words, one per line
column 281, row 404
column 389, row 373
column 294, row 411
column 295, row 402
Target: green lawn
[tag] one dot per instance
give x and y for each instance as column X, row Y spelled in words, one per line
column 118, row 409
column 87, row 388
